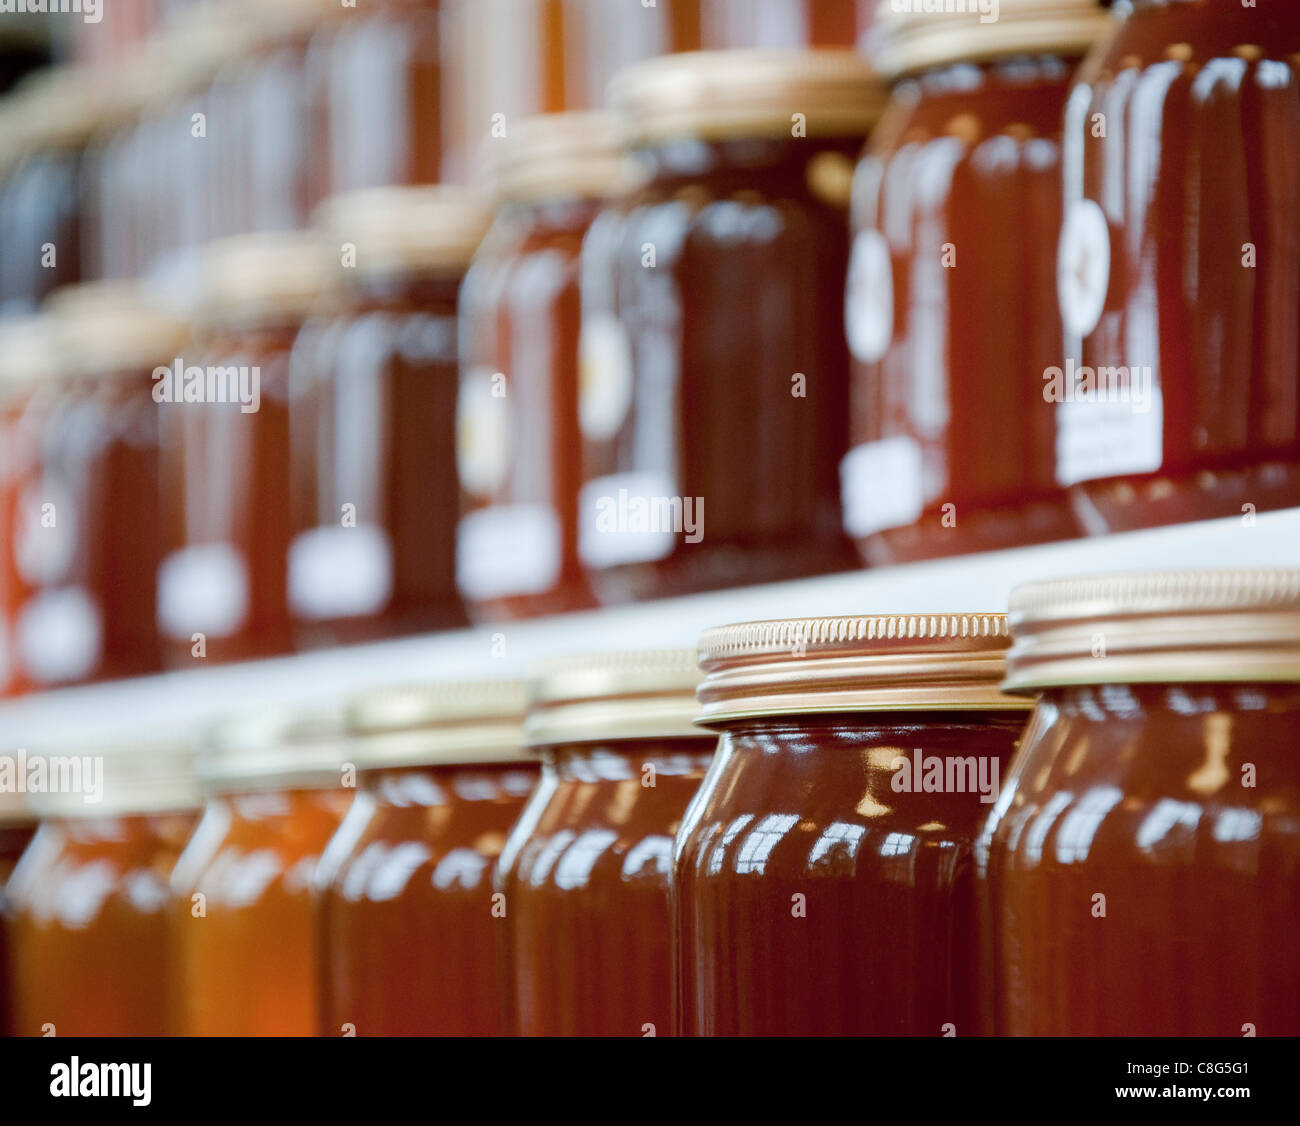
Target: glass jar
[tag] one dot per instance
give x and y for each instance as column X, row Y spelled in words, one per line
column 242, row 922
column 949, row 308
column 373, row 386
column 222, row 586
column 266, row 120
column 411, row 942
column 710, row 337
column 86, row 540
column 17, row 826
column 585, row 871
column 87, row 901
column 828, row 852
column 518, row 443
column 1178, row 257
column 26, row 365
column 1140, row 871
column 382, row 72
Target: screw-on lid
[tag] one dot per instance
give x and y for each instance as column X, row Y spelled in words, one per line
column 27, row 353
column 908, row 36
column 748, row 92
column 405, row 230
column 1159, row 627
column 555, row 155
column 609, row 697
column 277, row 748
column 798, row 666
column 147, row 771
column 440, row 724
column 263, row 278
column 102, row 328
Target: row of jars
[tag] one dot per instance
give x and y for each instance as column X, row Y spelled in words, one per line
column 831, row 826
column 705, row 344
column 243, row 115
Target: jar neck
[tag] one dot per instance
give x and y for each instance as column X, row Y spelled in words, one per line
column 633, row 760
column 745, row 157
column 968, row 77
column 558, row 215
column 1103, row 702
column 401, row 290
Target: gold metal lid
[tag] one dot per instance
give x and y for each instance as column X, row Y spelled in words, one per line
column 608, row 697
column 908, row 37
column 404, row 230
column 27, row 352
column 149, row 771
column 190, row 50
column 279, row 748
column 906, row 662
column 440, row 724
column 554, row 155
column 58, row 107
column 747, row 92
column 262, row 278
column 101, row 328
column 1157, row 627
column 270, row 21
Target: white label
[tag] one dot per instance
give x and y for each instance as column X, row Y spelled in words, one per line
column 59, row 635
column 482, row 434
column 869, row 297
column 508, row 549
column 1083, row 267
column 203, row 589
column 629, row 518
column 1096, row 438
column 605, row 377
column 881, row 486
column 337, row 572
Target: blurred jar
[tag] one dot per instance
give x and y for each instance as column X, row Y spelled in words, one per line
column 520, row 58
column 87, row 901
column 17, row 827
column 265, row 120
column 1140, row 872
column 222, row 587
column 949, row 308
column 1179, row 258
column 86, row 540
column 382, row 75
column 412, row 941
column 28, row 367
column 54, row 113
column 585, row 870
column 714, row 393
column 518, row 442
column 828, row 852
column 242, row 924
column 373, row 387
column 169, row 132
column 103, row 31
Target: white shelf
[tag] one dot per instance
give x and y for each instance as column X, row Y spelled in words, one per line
column 54, row 720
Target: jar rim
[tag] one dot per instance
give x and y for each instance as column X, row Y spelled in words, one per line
column 442, row 724
column 746, row 92
column 1156, row 627
column 629, row 694
column 906, row 38
column 888, row 662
